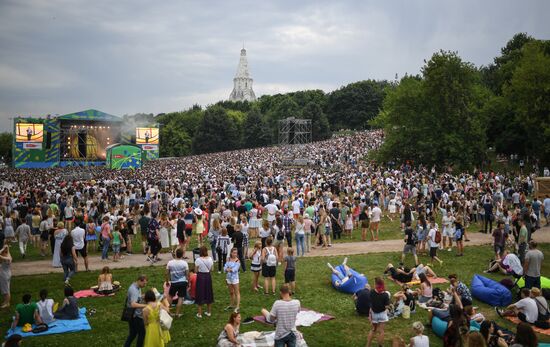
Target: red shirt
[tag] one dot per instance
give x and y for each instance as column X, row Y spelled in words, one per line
column 192, row 284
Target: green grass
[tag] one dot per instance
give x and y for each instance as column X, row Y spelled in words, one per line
column 313, row 290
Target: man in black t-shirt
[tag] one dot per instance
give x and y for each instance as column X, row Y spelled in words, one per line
column 362, row 301
column 144, row 226
column 335, row 221
column 410, row 243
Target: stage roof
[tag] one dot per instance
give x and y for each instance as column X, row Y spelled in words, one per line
column 90, row 115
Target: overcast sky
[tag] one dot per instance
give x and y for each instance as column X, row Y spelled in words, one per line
column 124, row 57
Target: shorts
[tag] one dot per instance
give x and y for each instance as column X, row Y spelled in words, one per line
column 179, row 288
column 269, row 271
column 290, row 275
column 189, row 232
column 433, row 252
column 409, row 249
column 499, row 249
column 381, row 317
column 278, row 242
column 235, row 281
column 116, row 248
column 255, row 267
column 35, row 231
column 44, row 236
column 448, row 232
column 423, row 299
column 364, row 223
column 444, row 315
column 82, row 252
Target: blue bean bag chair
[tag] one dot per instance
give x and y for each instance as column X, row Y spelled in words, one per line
column 352, row 285
column 490, row 292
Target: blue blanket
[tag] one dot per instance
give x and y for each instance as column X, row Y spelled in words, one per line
column 59, row 326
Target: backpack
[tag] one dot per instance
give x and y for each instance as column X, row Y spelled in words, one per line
column 458, row 234
column 39, row 328
column 437, row 236
column 271, row 258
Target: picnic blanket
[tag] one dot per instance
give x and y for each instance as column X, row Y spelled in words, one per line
column 305, row 318
column 58, row 326
column 88, row 293
column 516, row 320
column 438, row 280
column 265, row 339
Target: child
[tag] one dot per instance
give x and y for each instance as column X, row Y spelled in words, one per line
column 232, row 269
column 117, row 237
column 256, row 264
column 192, row 285
column 348, row 226
column 419, row 340
column 290, row 270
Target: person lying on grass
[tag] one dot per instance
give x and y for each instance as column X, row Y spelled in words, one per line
column 405, row 275
column 342, row 277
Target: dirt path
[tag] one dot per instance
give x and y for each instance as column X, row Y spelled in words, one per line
column 138, row 260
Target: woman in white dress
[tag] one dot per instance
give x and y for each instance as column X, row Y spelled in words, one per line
column 392, row 207
column 163, row 232
column 59, row 234
column 254, row 222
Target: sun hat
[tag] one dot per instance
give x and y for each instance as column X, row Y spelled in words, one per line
column 198, row 211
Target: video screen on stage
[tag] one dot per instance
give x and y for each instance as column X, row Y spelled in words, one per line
column 147, row 136
column 29, row 132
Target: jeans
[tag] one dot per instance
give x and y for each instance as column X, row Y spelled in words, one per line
column 68, row 267
column 137, row 328
column 23, row 247
column 300, row 244
column 105, row 250
column 241, row 258
column 488, row 223
column 288, row 237
column 289, row 341
column 214, row 253
column 308, row 241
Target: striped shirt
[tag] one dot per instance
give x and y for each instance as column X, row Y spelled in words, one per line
column 285, row 312
column 223, row 242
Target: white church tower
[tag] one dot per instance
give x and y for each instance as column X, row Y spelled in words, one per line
column 242, row 83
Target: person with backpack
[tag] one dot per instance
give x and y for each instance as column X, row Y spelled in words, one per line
column 269, row 265
column 459, row 235
column 434, row 238
column 410, row 243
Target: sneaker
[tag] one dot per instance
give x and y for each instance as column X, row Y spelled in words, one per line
column 279, row 264
column 149, row 259
column 207, row 314
column 248, row 320
column 498, row 311
column 198, row 315
column 228, row 308
column 448, row 250
column 236, row 310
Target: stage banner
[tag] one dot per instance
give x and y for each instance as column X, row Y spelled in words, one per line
column 147, row 136
column 32, row 145
column 149, row 147
column 29, row 132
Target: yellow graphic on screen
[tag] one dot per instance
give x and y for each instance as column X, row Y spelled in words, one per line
column 147, row 136
column 29, row 132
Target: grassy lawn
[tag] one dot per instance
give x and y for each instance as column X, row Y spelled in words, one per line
column 313, row 290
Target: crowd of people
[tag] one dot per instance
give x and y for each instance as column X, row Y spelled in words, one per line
column 244, row 207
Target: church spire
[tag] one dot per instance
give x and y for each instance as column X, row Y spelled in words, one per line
column 242, row 83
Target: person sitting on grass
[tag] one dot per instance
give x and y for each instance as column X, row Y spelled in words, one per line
column 525, row 336
column 525, row 309
column 405, row 275
column 69, row 307
column 45, row 307
column 419, row 339
column 228, row 336
column 509, row 264
column 342, row 277
column 26, row 313
column 362, row 301
column 105, row 284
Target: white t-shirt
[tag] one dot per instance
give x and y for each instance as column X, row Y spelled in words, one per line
column 421, row 341
column 296, row 207
column 376, row 214
column 45, row 310
column 529, row 307
column 178, row 268
column 431, row 236
column 271, row 210
column 78, row 235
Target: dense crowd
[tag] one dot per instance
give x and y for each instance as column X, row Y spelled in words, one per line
column 246, row 206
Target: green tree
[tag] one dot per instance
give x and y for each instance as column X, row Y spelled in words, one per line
column 355, row 104
column 216, row 132
column 529, row 95
column 320, row 128
column 437, row 119
column 256, row 132
column 6, row 143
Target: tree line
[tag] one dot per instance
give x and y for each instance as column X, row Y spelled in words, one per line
column 448, row 114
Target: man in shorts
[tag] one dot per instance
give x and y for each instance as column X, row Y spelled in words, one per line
column 375, row 220
column 410, row 243
column 79, row 241
column 176, row 274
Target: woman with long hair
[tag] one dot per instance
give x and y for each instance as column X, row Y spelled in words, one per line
column 204, row 294
column 425, row 290
column 68, row 258
column 491, row 334
column 155, row 336
column 228, row 336
column 59, row 235
column 380, row 300
column 525, row 336
column 231, row 269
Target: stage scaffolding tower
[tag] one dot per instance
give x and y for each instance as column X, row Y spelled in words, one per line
column 294, row 131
